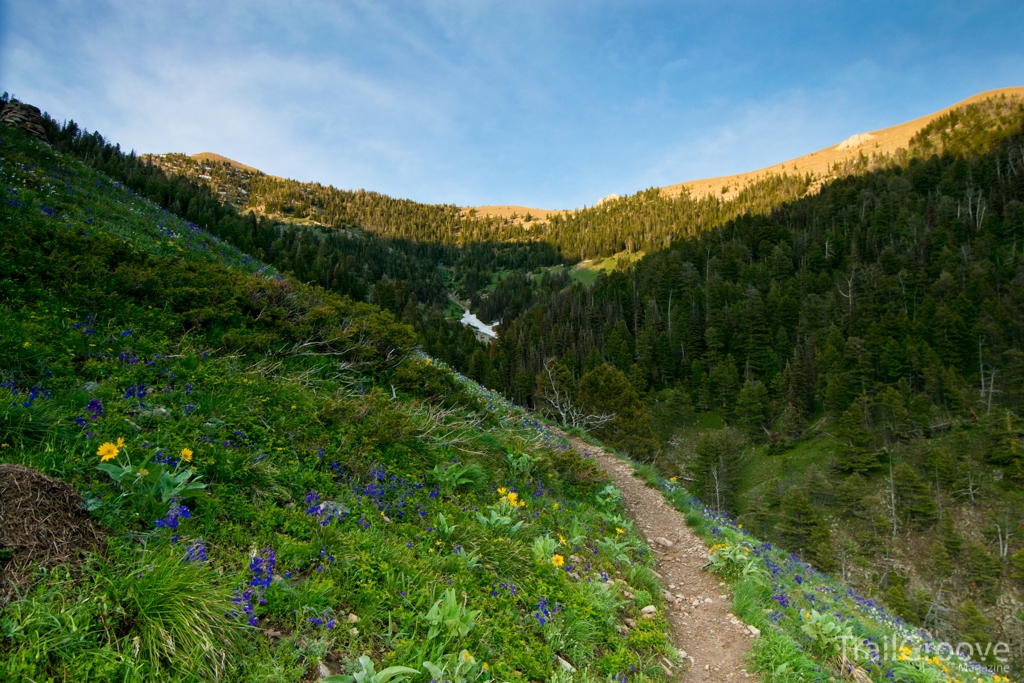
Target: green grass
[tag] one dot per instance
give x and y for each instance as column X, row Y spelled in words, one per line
column 586, row 272
column 322, row 437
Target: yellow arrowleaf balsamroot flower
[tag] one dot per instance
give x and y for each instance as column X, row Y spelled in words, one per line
column 107, row 451
column 513, row 498
column 186, row 454
column 558, row 560
column 561, row 539
column 619, row 531
column 120, row 442
column 502, row 491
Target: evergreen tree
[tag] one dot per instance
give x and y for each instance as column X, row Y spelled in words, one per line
column 752, row 407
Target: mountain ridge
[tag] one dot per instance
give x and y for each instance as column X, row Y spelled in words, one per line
column 877, row 142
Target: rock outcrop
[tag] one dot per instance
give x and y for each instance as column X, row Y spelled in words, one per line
column 25, row 116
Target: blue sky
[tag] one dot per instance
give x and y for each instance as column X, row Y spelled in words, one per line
column 544, row 104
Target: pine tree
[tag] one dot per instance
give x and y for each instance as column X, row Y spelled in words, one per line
column 856, row 455
column 802, row 531
column 752, row 408
column 914, row 500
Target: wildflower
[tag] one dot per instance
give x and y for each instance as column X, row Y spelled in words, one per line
column 672, row 479
column 561, row 539
column 503, row 490
column 619, row 531
column 196, row 552
column 513, row 498
column 186, row 454
column 554, row 505
column 143, row 472
column 558, row 560
column 107, row 451
column 120, row 442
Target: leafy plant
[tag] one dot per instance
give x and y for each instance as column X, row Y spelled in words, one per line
column 734, row 561
column 520, row 465
column 827, row 635
column 444, row 527
column 497, row 520
column 616, row 550
column 457, row 668
column 543, row 548
column 368, row 674
column 609, row 498
column 455, row 476
column 150, row 480
column 448, row 619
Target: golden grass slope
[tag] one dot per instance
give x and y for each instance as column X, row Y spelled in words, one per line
column 210, row 156
column 820, row 164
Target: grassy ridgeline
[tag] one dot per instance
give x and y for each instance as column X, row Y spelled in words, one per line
column 359, row 498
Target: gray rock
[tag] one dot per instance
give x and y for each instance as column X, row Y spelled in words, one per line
column 566, row 666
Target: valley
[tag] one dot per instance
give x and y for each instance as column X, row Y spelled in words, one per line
column 818, row 364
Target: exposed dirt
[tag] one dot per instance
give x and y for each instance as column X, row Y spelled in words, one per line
column 715, row 641
column 42, row 523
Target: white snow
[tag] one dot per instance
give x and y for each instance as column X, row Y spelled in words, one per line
column 473, row 321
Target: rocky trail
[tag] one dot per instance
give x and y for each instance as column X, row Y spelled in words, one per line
column 715, row 641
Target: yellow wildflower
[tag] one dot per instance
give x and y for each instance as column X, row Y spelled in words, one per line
column 143, row 472
column 186, row 454
column 513, row 498
column 120, row 442
column 561, row 539
column 466, row 656
column 619, row 531
column 485, row 667
column 554, row 506
column 503, row 490
column 558, row 560
column 672, row 479
column 107, row 451
column 26, row 345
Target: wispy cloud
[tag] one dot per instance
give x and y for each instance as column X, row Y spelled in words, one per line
column 545, row 104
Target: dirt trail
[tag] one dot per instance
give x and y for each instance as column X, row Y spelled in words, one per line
column 716, row 642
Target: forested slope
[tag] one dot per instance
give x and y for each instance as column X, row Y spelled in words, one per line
column 862, row 344
column 275, row 485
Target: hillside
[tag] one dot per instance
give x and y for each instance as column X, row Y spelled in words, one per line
column 828, row 163
column 842, row 373
column 277, row 483
column 839, row 370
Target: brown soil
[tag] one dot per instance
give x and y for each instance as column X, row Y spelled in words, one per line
column 42, row 524
column 715, row 641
